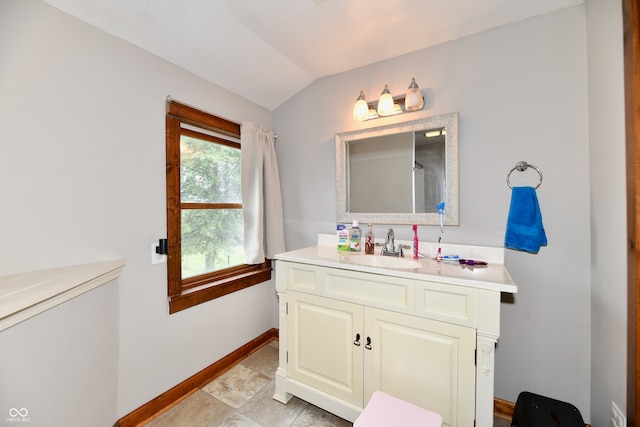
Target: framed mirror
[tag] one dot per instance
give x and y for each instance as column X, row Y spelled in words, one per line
column 400, row 173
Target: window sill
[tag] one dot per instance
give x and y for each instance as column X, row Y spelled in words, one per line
column 25, row 295
column 197, row 295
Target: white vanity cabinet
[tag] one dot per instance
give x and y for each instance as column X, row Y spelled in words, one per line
column 349, row 351
column 345, row 333
column 325, row 345
column 428, row 363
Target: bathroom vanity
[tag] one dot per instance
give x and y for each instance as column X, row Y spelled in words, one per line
column 423, row 331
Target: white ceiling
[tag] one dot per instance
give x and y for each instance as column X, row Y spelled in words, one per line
column 268, row 50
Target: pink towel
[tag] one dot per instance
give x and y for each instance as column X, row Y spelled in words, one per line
column 384, row 410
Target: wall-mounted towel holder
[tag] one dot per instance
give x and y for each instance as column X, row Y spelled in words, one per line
column 521, row 167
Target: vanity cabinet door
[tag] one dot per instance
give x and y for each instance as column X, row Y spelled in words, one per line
column 325, row 345
column 426, row 362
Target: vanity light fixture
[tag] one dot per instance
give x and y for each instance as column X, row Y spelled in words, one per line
column 386, row 106
column 389, row 105
column 361, row 109
column 413, row 100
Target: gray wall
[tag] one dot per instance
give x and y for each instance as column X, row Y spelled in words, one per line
column 61, row 365
column 82, row 178
column 521, row 91
column 608, row 212
column 82, row 171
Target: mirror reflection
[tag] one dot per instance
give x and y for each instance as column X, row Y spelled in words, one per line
column 406, row 170
column 398, row 174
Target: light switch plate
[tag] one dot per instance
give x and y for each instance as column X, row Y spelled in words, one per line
column 157, row 258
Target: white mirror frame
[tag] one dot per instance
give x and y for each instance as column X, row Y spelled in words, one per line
column 450, row 123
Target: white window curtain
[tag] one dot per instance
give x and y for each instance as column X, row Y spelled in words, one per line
column 261, row 197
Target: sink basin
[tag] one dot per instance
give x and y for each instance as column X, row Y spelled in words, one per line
column 383, row 261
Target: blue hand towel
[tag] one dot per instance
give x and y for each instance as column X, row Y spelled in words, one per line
column 525, row 231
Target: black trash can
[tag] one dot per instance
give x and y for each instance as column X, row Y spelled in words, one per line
column 533, row 410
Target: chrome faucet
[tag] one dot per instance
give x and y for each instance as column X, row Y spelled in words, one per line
column 391, row 238
column 389, row 248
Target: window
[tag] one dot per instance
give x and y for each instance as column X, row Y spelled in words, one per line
column 204, row 209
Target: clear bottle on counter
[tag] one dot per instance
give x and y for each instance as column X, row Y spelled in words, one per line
column 355, row 237
column 370, row 243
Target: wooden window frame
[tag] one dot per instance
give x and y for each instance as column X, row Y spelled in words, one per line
column 188, row 292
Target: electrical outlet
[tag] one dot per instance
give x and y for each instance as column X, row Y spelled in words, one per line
column 157, row 258
column 617, row 417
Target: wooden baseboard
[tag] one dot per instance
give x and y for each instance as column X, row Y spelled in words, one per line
column 503, row 408
column 195, row 382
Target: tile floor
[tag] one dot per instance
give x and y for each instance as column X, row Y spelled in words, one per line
column 242, row 397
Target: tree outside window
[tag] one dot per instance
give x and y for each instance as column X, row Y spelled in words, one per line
column 204, row 209
column 212, row 232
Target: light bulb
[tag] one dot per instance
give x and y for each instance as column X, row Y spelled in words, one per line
column 385, row 104
column 361, row 109
column 413, row 100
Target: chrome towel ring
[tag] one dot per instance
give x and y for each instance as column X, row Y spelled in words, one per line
column 521, row 167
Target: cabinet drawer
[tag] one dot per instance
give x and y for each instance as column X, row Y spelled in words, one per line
column 453, row 304
column 296, row 276
column 370, row 289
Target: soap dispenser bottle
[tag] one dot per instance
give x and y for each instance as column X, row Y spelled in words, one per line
column 355, row 237
column 369, row 243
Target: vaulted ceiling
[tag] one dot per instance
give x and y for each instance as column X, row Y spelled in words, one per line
column 268, row 50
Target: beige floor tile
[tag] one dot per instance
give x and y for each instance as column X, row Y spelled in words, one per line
column 236, row 386
column 271, row 413
column 501, row 422
column 239, row 420
column 312, row 416
column 264, row 361
column 197, row 410
column 243, row 397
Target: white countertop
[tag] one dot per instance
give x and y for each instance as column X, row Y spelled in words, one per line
column 493, row 276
